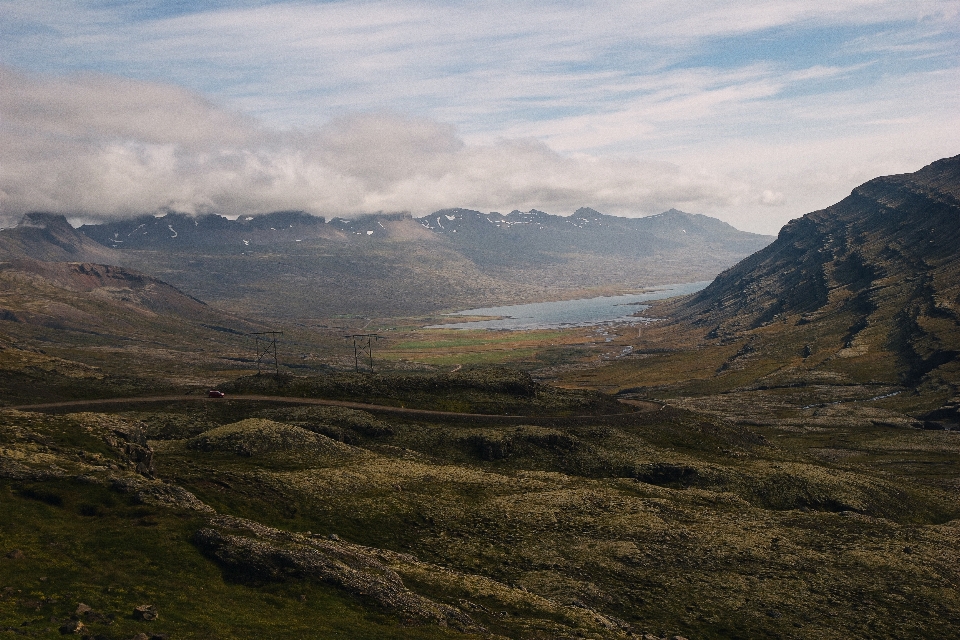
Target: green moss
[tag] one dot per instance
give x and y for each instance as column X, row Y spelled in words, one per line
column 127, row 556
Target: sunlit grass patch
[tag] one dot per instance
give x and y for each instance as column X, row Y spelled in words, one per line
column 452, row 347
column 491, row 356
column 465, row 338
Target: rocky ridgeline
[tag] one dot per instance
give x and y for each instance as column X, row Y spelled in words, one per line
column 585, row 230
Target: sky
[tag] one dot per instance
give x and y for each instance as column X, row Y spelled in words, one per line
column 751, row 111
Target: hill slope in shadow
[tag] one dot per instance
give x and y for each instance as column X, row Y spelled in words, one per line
column 877, row 275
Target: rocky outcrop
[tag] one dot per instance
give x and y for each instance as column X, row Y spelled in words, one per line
column 251, row 552
column 495, row 444
column 160, row 494
column 945, row 418
column 145, row 612
column 131, row 442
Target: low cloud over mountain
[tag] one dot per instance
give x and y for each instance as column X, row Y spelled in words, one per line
column 103, row 147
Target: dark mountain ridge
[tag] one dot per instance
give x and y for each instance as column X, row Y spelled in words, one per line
column 79, row 329
column 874, row 279
column 94, row 298
column 182, row 230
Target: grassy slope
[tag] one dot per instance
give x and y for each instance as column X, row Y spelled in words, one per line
column 80, row 542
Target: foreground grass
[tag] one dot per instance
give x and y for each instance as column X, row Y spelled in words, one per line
column 705, row 521
column 66, row 539
column 126, row 555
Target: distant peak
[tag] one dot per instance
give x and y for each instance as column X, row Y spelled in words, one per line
column 285, row 219
column 533, row 212
column 586, row 212
column 42, row 220
column 455, row 211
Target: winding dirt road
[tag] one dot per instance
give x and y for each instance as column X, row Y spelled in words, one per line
column 639, row 405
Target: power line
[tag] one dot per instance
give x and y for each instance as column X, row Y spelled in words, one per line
column 266, row 344
column 363, row 347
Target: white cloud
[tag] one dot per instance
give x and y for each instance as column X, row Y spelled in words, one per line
column 352, row 106
column 102, row 147
column 102, row 107
column 479, row 65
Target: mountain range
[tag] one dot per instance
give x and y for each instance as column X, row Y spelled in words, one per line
column 503, row 237
column 293, row 265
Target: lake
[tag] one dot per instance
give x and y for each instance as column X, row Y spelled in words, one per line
column 571, row 313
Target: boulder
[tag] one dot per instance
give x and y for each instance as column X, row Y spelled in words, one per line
column 145, row 612
column 72, row 627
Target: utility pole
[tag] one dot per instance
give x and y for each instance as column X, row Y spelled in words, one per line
column 266, row 345
column 363, row 347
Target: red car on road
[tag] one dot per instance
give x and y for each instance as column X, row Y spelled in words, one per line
column 213, row 393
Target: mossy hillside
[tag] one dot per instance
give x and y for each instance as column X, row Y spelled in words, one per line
column 126, row 555
column 72, row 531
column 708, row 507
column 670, row 448
column 670, row 521
column 29, row 376
column 340, row 423
column 258, row 437
column 57, row 491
